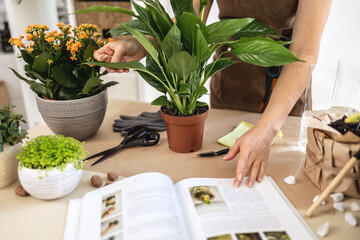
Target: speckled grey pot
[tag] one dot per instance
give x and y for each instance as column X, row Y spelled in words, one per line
column 80, row 118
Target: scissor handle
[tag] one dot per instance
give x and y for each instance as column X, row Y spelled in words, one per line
column 150, row 139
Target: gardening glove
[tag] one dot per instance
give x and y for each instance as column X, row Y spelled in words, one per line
column 152, row 121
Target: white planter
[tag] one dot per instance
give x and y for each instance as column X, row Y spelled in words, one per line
column 50, row 184
column 8, row 165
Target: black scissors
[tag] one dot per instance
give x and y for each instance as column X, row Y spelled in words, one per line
column 134, row 137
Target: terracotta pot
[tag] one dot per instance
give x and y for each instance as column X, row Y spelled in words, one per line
column 79, row 118
column 185, row 134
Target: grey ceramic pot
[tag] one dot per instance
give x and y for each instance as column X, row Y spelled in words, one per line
column 80, row 118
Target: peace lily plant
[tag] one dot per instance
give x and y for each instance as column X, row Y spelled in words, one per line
column 178, row 62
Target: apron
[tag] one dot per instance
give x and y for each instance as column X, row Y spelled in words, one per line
column 242, row 86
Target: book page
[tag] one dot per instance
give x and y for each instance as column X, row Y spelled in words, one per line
column 140, row 207
column 214, row 209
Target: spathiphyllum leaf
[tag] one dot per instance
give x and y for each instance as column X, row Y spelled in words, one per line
column 217, row 66
column 224, row 29
column 202, row 5
column 114, row 9
column 181, row 6
column 160, row 101
column 255, row 29
column 144, row 42
column 161, row 22
column 202, row 49
column 135, row 24
column 128, row 65
column 172, row 42
column 182, row 63
column 264, row 53
column 188, row 25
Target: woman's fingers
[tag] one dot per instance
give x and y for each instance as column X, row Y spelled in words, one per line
column 241, row 168
column 261, row 173
column 253, row 173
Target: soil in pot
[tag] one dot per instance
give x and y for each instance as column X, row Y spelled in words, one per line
column 185, row 133
column 343, row 127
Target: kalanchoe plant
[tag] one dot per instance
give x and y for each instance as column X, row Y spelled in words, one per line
column 178, row 63
column 47, row 152
column 54, row 61
column 10, row 131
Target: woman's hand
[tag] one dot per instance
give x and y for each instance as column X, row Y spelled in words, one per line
column 120, row 51
column 253, row 148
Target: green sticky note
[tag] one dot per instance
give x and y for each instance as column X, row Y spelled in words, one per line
column 230, row 138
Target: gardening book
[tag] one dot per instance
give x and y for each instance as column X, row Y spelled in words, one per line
column 149, row 206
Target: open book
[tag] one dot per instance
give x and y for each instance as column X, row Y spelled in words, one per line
column 148, row 206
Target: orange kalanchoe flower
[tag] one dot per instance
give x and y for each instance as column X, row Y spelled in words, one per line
column 29, row 49
column 50, row 39
column 29, row 37
column 111, row 39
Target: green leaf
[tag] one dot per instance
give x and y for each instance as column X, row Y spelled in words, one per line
column 63, row 74
column 255, row 29
column 114, row 9
column 34, row 86
column 144, row 73
column 264, row 53
column 152, row 81
column 220, row 31
column 157, row 5
column 202, row 49
column 201, row 104
column 69, row 93
column 146, row 18
column 128, row 65
column 172, row 42
column 161, row 22
column 202, row 5
column 91, row 83
column 135, row 24
column 108, row 84
column 1, row 147
column 40, row 64
column 185, row 89
column 182, row 63
column 218, row 65
column 181, row 6
column 82, row 72
column 144, row 42
column 188, row 25
column 242, row 40
column 89, row 52
column 154, row 68
column 37, row 76
column 27, row 57
column 160, row 101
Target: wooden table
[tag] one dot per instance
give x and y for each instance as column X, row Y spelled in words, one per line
column 29, row 218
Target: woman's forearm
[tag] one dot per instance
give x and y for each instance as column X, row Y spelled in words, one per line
column 310, row 21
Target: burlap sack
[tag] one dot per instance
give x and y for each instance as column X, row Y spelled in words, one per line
column 327, row 152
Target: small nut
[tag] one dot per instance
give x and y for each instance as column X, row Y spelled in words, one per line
column 112, row 176
column 108, row 183
column 96, row 181
column 20, row 191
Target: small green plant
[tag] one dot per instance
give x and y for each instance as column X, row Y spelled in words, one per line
column 48, row 152
column 10, row 131
column 178, row 65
